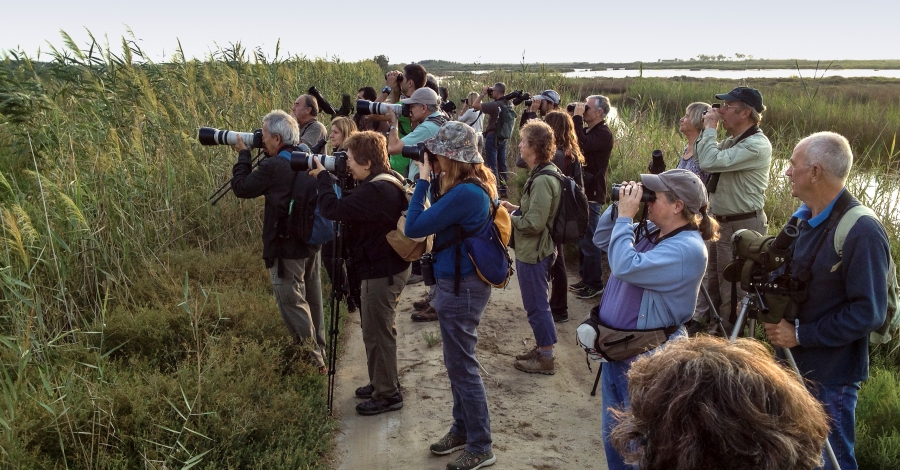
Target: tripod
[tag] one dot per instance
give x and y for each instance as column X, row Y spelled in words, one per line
column 754, row 302
column 337, row 295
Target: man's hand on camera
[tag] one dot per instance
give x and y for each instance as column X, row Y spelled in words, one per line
column 392, row 118
column 579, row 109
column 630, row 198
column 711, row 118
column 314, row 172
column 240, row 145
column 781, row 334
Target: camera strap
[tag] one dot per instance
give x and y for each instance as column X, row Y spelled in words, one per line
column 837, row 211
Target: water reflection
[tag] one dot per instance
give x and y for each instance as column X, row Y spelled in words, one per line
column 736, row 74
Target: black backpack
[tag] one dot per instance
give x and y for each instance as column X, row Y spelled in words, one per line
column 571, row 220
column 505, row 122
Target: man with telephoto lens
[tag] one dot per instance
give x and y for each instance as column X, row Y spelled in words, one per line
column 399, row 85
column 425, row 115
column 494, row 146
column 305, row 110
column 541, row 104
column 293, row 264
column 596, row 141
column 846, row 295
column 739, row 176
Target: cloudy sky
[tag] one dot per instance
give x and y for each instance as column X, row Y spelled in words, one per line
column 470, row 31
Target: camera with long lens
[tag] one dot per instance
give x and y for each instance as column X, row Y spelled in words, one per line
column 648, row 196
column 520, row 97
column 417, row 152
column 303, row 161
column 366, row 107
column 657, row 163
column 448, row 107
column 213, row 136
column 324, row 105
column 756, row 257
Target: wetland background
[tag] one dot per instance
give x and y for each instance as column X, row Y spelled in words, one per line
column 137, row 326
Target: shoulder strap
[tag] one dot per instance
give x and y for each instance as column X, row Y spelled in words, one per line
column 541, row 172
column 462, row 235
column 847, row 221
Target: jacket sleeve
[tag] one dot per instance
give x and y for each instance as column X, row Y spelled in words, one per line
column 864, row 264
column 652, row 270
column 446, row 211
column 605, row 226
column 537, row 217
column 748, row 153
column 361, row 205
column 248, row 183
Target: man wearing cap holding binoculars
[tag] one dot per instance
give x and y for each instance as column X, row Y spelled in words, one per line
column 543, row 103
column 739, row 176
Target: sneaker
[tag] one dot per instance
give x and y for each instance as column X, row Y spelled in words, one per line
column 414, row 279
column 587, row 292
column 421, row 304
column 560, row 317
column 372, row 407
column 351, row 305
column 448, row 444
column 365, row 392
column 537, row 365
column 533, row 352
column 577, row 286
column 470, row 461
column 429, row 314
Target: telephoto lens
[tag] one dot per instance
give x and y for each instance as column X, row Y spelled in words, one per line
column 302, row 161
column 648, row 196
column 365, row 107
column 657, row 164
column 415, row 152
column 213, row 136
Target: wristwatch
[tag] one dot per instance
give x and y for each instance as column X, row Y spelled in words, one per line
column 392, row 128
column 386, row 89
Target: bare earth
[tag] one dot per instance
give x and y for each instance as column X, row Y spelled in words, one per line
column 537, row 421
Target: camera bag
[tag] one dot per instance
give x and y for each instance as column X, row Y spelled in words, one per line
column 602, row 342
column 410, row 249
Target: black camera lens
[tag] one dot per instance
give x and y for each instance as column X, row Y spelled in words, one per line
column 648, row 196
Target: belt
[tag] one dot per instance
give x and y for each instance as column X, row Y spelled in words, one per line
column 735, row 217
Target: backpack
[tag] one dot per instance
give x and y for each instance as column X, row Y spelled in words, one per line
column 572, row 215
column 506, row 119
column 486, row 245
column 410, row 249
column 304, row 222
column 892, row 317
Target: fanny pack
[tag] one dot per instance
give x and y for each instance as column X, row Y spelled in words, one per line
column 603, row 343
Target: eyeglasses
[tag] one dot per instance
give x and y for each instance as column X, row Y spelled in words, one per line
column 726, row 105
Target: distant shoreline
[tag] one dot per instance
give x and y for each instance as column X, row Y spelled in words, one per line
column 441, row 66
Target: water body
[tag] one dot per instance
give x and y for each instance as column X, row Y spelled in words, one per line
column 736, row 74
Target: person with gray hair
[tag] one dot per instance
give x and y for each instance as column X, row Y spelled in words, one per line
column 293, row 264
column 739, row 176
column 305, row 110
column 596, row 142
column 846, row 291
column 691, row 125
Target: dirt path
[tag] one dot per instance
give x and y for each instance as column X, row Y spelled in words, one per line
column 537, row 421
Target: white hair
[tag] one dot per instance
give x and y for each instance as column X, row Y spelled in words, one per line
column 831, row 151
column 283, row 124
column 602, row 103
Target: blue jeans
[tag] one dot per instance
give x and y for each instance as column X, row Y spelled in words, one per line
column 591, row 270
column 495, row 159
column 534, row 283
column 458, row 317
column 614, row 395
column 840, row 404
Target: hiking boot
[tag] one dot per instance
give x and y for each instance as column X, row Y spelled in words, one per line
column 351, row 305
column 448, row 444
column 537, row 365
column 470, row 461
column 414, row 279
column 372, row 407
column 577, row 286
column 560, row 317
column 587, row 292
column 533, row 352
column 429, row 314
column 365, row 392
column 422, row 303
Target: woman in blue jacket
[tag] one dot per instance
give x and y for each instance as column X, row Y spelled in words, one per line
column 656, row 271
column 460, row 295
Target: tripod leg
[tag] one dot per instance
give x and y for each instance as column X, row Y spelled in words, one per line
column 597, row 380
column 713, row 314
column 336, row 296
column 828, row 449
column 739, row 324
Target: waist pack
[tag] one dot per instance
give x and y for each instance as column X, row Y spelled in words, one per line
column 605, row 343
column 572, row 214
column 410, row 249
column 486, row 245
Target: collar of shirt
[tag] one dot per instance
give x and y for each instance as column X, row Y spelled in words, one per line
column 804, row 213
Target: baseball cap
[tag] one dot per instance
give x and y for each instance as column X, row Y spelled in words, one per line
column 551, row 95
column 456, row 141
column 423, row 95
column 684, row 184
column 751, row 96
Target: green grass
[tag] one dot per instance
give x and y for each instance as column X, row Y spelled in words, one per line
column 137, row 324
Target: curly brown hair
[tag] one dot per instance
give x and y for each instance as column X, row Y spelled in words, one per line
column 706, row 402
column 539, row 137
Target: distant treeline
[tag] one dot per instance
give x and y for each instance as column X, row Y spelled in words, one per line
column 443, row 66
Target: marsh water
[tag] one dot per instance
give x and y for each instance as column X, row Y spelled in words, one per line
column 735, row 74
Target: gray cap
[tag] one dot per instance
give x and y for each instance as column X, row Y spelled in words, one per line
column 423, row 95
column 684, row 184
column 551, row 95
column 456, row 141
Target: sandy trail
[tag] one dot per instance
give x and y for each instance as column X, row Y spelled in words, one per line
column 537, row 421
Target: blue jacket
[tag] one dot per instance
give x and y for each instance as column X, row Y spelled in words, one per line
column 846, row 302
column 670, row 273
column 464, row 204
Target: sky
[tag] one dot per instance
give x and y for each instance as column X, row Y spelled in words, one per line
column 499, row 31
